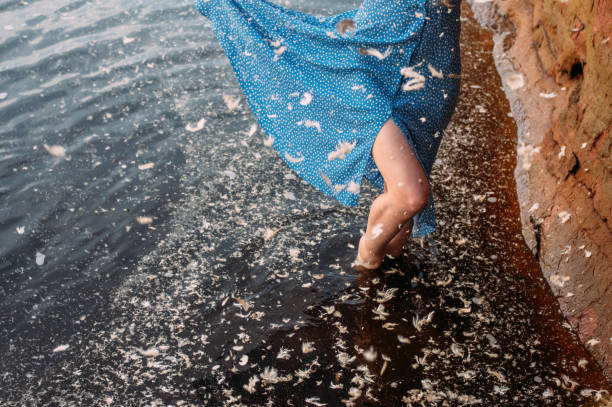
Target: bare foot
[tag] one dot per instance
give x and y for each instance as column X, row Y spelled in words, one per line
column 365, row 259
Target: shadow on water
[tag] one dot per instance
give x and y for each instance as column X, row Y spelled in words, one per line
column 241, row 290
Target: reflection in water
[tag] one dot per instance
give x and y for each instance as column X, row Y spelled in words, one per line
column 176, row 273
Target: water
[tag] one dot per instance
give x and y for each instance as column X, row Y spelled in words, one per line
column 178, row 263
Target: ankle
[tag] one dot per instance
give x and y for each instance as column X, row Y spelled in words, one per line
column 365, row 254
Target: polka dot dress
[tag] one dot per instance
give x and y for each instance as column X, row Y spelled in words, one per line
column 321, row 87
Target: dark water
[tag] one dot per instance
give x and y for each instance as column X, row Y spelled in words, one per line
column 193, row 268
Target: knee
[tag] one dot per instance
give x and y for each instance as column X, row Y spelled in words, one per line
column 410, row 202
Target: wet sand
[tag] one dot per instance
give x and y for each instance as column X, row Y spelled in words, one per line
column 491, row 332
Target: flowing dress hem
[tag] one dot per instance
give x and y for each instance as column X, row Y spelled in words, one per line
column 365, row 167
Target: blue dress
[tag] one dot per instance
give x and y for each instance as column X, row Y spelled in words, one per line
column 323, row 86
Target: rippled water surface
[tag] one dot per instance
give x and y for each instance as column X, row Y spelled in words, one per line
column 153, row 251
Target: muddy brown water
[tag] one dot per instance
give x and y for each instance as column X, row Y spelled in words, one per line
column 240, row 291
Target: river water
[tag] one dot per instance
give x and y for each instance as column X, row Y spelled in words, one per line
column 154, row 251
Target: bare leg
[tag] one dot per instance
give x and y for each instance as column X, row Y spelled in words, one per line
column 408, row 192
column 395, row 247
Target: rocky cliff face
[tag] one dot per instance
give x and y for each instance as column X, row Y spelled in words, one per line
column 555, row 60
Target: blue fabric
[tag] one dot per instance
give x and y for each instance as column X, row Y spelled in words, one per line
column 324, row 101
